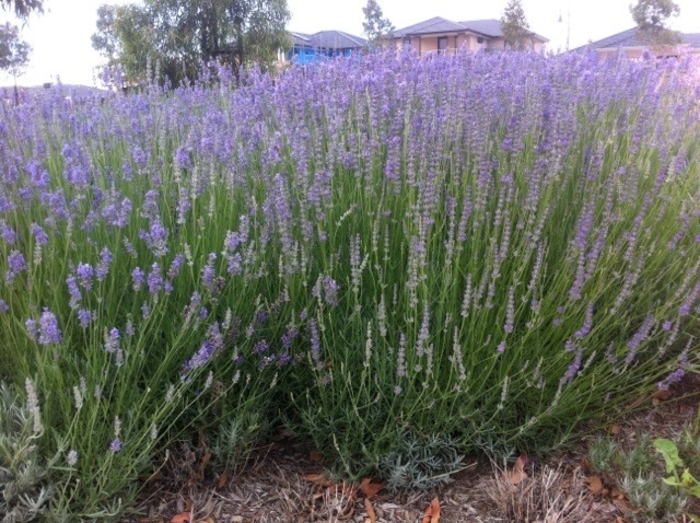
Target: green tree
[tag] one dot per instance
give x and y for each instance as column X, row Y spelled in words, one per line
column 23, row 8
column 376, row 26
column 651, row 17
column 514, row 26
column 14, row 52
column 177, row 37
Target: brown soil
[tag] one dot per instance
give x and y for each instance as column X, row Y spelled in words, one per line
column 278, row 484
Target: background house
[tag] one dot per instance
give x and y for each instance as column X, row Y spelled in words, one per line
column 629, row 43
column 307, row 48
column 441, row 35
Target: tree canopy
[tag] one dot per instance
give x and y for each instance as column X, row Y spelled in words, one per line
column 14, row 52
column 516, row 30
column 651, row 17
column 376, row 26
column 23, row 8
column 177, row 37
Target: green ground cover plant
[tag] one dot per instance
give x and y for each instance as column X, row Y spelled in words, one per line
column 635, row 474
column 474, row 252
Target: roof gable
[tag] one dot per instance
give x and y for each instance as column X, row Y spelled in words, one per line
column 434, row 25
column 328, row 40
column 485, row 27
column 691, row 39
column 336, row 40
column 629, row 38
column 490, row 28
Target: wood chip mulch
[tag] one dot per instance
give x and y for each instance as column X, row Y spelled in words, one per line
column 286, row 482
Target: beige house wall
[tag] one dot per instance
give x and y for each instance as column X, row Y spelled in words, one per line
column 496, row 43
column 429, row 44
column 613, row 53
column 464, row 40
column 500, row 44
column 636, row 53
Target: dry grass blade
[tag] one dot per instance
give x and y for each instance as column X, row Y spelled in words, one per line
column 551, row 496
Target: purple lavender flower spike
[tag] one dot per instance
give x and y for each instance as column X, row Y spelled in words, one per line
column 73, row 291
column 156, row 238
column 209, row 273
column 85, row 273
column 203, row 355
column 175, row 266
column 8, row 233
column 49, row 333
column 16, row 264
column 116, row 445
column 155, row 279
column 103, row 266
column 261, row 347
column 639, row 337
column 84, row 317
column 112, row 341
column 138, row 278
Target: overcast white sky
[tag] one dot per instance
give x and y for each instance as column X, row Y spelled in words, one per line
column 61, row 37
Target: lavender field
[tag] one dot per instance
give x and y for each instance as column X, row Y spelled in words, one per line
column 474, row 252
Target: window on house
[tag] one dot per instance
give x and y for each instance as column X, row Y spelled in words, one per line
column 479, row 40
column 407, row 42
column 442, row 44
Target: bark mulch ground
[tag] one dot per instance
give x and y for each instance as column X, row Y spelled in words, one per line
column 285, row 482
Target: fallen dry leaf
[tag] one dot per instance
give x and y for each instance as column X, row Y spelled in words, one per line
column 370, row 489
column 182, row 517
column 206, row 453
column 435, row 510
column 316, row 456
column 585, row 466
column 432, row 513
column 223, row 479
column 371, row 514
column 663, row 395
column 595, row 484
column 318, row 479
column 518, row 473
column 617, row 493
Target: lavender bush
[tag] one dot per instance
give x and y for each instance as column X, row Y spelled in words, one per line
column 483, row 248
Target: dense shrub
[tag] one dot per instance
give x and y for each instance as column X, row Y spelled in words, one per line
column 483, row 248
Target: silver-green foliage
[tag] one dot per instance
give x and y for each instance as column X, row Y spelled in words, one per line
column 25, row 490
column 602, row 454
column 421, row 462
column 653, row 500
column 635, row 472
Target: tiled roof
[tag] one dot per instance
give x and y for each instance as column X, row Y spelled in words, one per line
column 692, row 39
column 434, row 25
column 327, row 40
column 629, row 38
column 336, row 40
column 490, row 28
column 485, row 27
column 300, row 39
